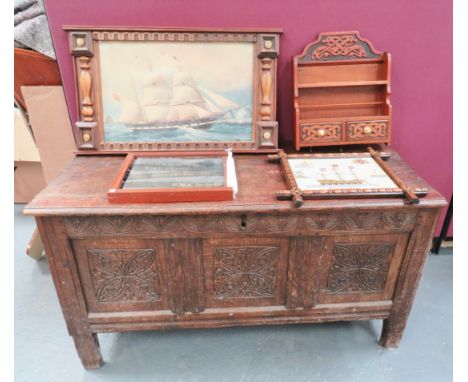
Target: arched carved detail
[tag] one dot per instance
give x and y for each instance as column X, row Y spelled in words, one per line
column 336, row 46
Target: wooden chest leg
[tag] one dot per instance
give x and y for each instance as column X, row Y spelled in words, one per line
column 69, row 291
column 391, row 333
column 87, row 346
column 411, row 269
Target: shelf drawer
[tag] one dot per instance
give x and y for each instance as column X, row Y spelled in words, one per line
column 367, row 130
column 321, row 132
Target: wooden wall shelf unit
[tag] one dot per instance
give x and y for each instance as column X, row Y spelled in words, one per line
column 341, row 92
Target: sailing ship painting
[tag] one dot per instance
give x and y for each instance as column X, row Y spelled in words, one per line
column 339, row 173
column 176, row 91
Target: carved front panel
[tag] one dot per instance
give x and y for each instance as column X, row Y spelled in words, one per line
column 367, row 130
column 361, row 268
column 245, row 272
column 124, row 275
column 321, row 132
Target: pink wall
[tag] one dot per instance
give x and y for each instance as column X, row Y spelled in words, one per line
column 418, row 33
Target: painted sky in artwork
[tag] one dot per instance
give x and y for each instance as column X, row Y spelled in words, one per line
column 226, row 68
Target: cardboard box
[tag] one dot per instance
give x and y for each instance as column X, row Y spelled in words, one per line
column 50, row 123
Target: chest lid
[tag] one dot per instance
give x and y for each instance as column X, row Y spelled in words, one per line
column 341, row 92
column 175, row 89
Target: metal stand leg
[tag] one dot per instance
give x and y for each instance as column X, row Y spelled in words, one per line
column 443, row 232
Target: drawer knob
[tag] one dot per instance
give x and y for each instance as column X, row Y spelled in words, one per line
column 367, row 130
column 321, row 132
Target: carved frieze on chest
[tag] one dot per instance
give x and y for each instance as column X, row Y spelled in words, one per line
column 226, row 224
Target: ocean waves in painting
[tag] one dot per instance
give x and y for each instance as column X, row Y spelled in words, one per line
column 218, row 132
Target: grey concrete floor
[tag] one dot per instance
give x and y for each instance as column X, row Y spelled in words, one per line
column 318, row 352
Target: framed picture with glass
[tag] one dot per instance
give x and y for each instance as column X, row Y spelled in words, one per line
column 175, row 89
column 175, row 177
column 325, row 175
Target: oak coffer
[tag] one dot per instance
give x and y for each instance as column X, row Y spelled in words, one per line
column 250, row 261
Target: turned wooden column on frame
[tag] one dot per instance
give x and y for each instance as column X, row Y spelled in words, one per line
column 267, row 135
column 82, row 49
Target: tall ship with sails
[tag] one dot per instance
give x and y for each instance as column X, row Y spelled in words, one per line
column 179, row 104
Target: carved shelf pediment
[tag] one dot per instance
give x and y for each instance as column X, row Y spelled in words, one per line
column 336, row 46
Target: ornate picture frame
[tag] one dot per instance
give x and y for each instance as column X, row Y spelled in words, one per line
column 338, row 175
column 86, row 48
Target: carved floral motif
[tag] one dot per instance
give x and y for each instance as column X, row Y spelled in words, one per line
column 243, row 272
column 124, row 275
column 359, row 267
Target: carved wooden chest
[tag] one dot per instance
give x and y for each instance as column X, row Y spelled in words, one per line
column 254, row 260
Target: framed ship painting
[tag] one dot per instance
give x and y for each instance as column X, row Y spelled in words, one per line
column 175, row 89
column 311, row 176
column 165, row 177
